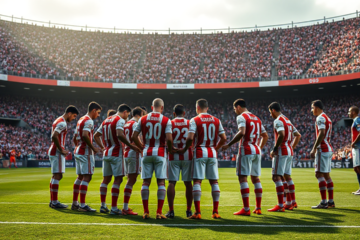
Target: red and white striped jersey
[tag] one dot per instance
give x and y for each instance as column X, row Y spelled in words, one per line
column 180, row 129
column 324, row 122
column 113, row 146
column 85, row 123
column 60, row 126
column 282, row 123
column 207, row 130
column 129, row 128
column 253, row 129
column 154, row 127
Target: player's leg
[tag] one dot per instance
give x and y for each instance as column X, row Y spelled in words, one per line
column 287, row 179
column 174, row 174
column 118, row 169
column 147, row 168
column 132, row 166
column 356, row 165
column 243, row 171
column 321, row 169
column 57, row 169
column 186, row 177
column 198, row 174
column 115, row 190
column 161, row 174
column 87, row 164
column 255, row 174
column 107, row 176
column 357, row 171
column 277, row 174
column 286, row 189
column 212, row 173
column 76, row 187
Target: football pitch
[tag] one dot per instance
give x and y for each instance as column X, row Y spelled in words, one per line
column 25, row 214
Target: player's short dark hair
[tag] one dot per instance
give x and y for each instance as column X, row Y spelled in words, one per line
column 144, row 108
column 179, row 109
column 275, row 105
column 318, row 103
column 355, row 109
column 137, row 111
column 111, row 112
column 240, row 102
column 72, row 109
column 124, row 107
column 202, row 103
column 94, row 105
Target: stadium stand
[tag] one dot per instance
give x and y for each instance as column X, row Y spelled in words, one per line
column 52, row 53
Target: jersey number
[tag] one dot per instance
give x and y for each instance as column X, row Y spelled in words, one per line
column 177, row 132
column 257, row 129
column 153, row 130
column 209, row 132
column 107, row 133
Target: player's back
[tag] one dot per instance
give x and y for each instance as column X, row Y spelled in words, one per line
column 355, row 127
column 85, row 123
column 154, row 127
column 324, row 122
column 207, row 129
column 288, row 128
column 180, row 130
column 113, row 147
column 128, row 130
column 253, row 129
column 58, row 125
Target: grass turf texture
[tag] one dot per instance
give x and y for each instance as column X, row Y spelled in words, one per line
column 24, row 197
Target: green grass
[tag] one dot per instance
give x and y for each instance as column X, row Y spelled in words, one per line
column 24, row 197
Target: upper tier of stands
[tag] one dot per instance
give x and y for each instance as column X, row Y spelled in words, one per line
column 300, row 52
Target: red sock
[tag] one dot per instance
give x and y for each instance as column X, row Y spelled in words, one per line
column 55, row 188
column 197, row 196
column 258, row 193
column 145, row 196
column 103, row 192
column 51, row 197
column 322, row 188
column 330, row 188
column 114, row 195
column 127, row 195
column 280, row 192
column 76, row 189
column 245, row 195
column 161, row 197
column 292, row 191
column 83, row 191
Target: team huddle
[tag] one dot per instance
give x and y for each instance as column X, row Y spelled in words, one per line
column 151, row 142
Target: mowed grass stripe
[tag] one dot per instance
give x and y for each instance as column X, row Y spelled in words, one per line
column 184, row 225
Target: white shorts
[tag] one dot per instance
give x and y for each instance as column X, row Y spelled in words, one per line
column 323, row 161
column 174, row 170
column 356, row 157
column 279, row 164
column 248, row 165
column 57, row 163
column 149, row 164
column 132, row 165
column 85, row 164
column 113, row 166
column 205, row 167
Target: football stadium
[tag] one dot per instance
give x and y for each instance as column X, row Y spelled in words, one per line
column 179, row 133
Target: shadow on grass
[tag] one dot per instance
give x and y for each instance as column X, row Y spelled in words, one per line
column 322, row 217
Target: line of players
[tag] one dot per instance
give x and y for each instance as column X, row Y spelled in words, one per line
column 191, row 146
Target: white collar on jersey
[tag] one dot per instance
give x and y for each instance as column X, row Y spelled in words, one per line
column 279, row 116
column 133, row 119
column 156, row 112
column 204, row 113
column 179, row 118
column 63, row 119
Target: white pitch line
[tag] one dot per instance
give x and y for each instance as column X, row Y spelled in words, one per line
column 183, row 225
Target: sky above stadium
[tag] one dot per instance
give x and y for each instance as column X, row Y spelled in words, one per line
column 185, row 14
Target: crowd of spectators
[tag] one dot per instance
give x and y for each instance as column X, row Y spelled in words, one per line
column 39, row 114
column 53, row 53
